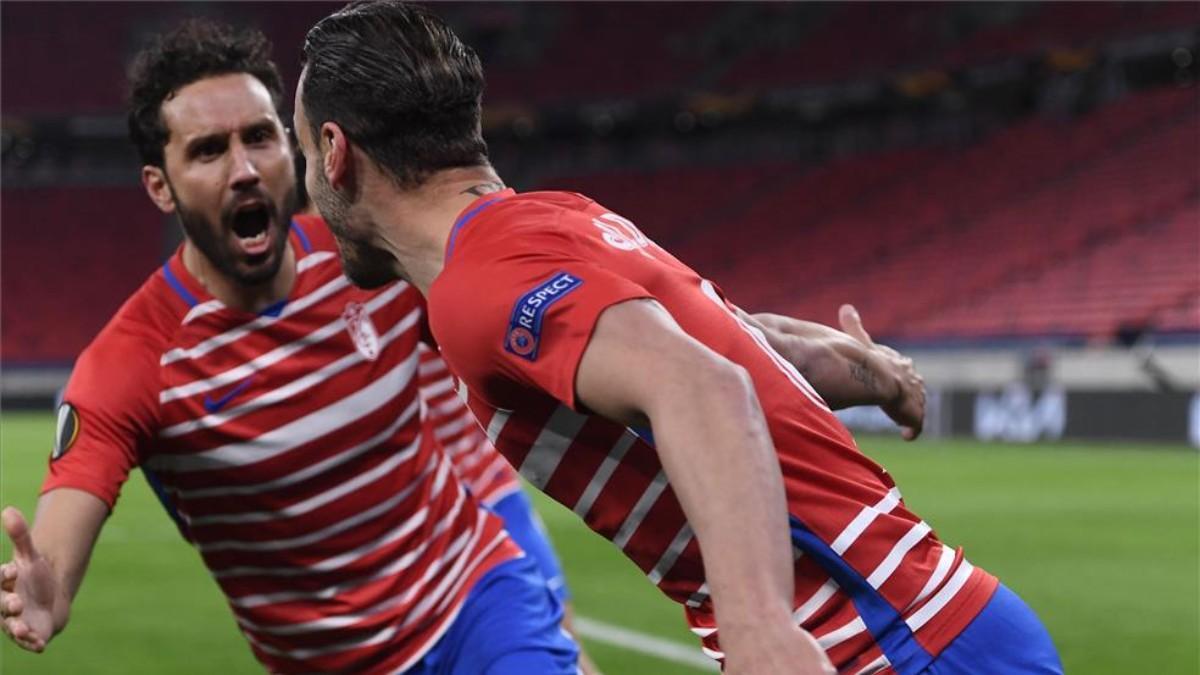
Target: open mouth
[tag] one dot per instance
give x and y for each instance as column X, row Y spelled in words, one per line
column 251, row 226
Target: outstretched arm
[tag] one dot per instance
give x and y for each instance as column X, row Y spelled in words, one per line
column 847, row 367
column 714, row 445
column 48, row 564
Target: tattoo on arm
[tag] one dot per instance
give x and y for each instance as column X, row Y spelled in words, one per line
column 864, row 375
column 483, row 189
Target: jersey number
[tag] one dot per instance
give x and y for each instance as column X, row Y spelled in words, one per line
column 621, row 233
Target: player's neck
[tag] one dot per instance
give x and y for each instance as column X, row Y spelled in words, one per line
column 237, row 295
column 420, row 221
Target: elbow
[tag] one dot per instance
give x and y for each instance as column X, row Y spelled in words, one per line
column 726, row 383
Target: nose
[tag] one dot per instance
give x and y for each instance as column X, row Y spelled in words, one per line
column 243, row 173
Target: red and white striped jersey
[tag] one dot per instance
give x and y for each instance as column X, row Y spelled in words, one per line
column 525, row 279
column 289, row 447
column 483, row 470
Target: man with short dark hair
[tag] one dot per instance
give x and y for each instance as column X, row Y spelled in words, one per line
column 630, row 389
column 276, row 411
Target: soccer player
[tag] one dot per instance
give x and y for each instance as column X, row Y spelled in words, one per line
column 276, row 410
column 630, row 389
column 99, row 429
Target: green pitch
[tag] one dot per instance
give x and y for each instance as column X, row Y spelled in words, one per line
column 1104, row 541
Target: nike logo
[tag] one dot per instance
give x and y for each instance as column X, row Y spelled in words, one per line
column 213, row 406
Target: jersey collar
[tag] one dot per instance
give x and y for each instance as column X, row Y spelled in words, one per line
column 193, row 293
column 473, row 209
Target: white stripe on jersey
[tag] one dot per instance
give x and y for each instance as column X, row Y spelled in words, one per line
column 314, row 259
column 281, row 352
column 401, row 563
column 938, row 601
column 308, row 261
column 451, row 613
column 901, row 549
column 696, row 599
column 809, row 607
column 875, row 666
column 881, row 573
column 918, row 619
column 452, row 552
column 841, row 543
column 432, row 366
column 201, row 309
column 318, row 500
column 308, row 471
column 438, row 388
column 667, row 561
column 632, row 521
column 863, row 520
column 292, row 388
column 600, row 478
column 384, row 635
column 935, row 579
column 551, row 444
column 298, row 432
column 782, row 364
column 838, row 636
column 449, row 406
column 755, row 334
column 335, row 562
column 297, row 305
column 450, row 428
column 496, row 425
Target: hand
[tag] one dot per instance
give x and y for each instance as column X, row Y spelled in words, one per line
column 907, row 407
column 28, row 588
column 793, row 651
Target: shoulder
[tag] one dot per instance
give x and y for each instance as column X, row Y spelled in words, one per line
column 127, row 350
column 312, row 234
column 528, row 223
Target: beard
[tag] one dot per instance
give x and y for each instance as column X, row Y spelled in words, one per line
column 212, row 240
column 364, row 264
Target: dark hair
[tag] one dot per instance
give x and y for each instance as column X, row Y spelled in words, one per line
column 192, row 52
column 400, row 84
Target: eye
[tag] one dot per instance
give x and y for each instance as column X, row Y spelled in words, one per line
column 207, row 150
column 259, row 135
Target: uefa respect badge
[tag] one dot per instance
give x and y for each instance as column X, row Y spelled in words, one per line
column 525, row 325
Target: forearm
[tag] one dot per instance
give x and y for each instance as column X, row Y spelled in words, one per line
column 719, row 457
column 64, row 531
column 843, row 370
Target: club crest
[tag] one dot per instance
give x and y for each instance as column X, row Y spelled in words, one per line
column 362, row 331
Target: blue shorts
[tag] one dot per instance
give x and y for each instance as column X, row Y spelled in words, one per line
column 510, row 624
column 1006, row 638
column 526, row 528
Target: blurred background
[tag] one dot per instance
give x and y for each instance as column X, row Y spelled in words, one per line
column 1009, row 192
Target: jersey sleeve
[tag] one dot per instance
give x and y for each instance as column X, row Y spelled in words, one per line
column 106, row 418
column 526, row 320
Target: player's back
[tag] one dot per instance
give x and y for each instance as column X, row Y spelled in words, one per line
column 868, row 571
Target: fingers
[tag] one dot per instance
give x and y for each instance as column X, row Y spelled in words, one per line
column 916, row 412
column 18, row 531
column 8, row 577
column 11, row 605
column 851, row 324
column 21, row 634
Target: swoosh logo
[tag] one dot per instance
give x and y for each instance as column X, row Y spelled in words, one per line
column 213, row 406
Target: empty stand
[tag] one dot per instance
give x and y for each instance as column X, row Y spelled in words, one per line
column 1048, row 227
column 70, row 258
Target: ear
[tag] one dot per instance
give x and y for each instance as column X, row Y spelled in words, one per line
column 154, row 179
column 338, row 163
